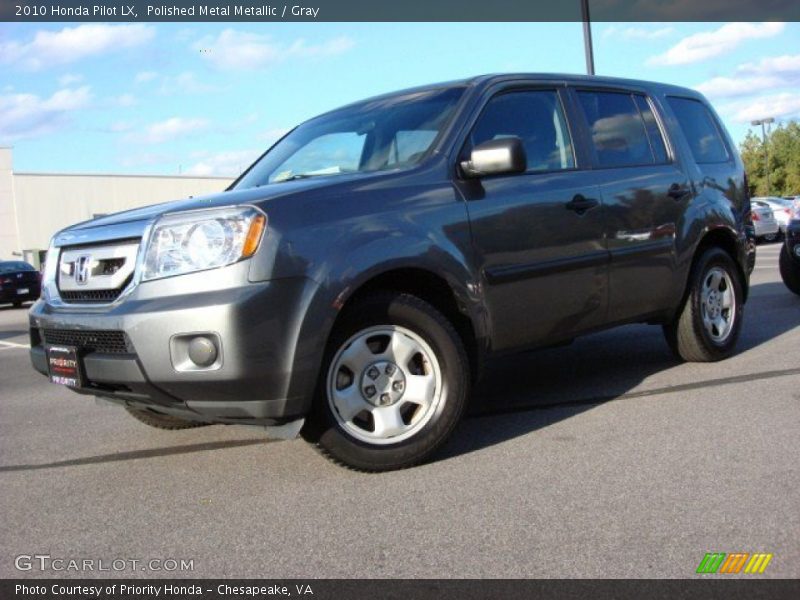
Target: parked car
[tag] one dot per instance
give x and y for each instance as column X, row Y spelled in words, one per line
column 782, row 210
column 357, row 276
column 790, row 255
column 764, row 222
column 19, row 282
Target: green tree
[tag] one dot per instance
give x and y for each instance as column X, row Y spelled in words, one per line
column 783, row 144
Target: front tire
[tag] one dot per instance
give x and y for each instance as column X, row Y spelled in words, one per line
column 161, row 421
column 790, row 270
column 394, row 384
column 710, row 320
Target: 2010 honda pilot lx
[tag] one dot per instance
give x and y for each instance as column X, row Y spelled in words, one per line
column 359, row 273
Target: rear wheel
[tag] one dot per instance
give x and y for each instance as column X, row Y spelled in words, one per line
column 393, row 386
column 708, row 325
column 790, row 270
column 771, row 237
column 162, row 421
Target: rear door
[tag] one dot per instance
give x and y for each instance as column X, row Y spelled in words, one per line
column 645, row 192
column 538, row 235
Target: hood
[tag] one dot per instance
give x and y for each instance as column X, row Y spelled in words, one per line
column 132, row 223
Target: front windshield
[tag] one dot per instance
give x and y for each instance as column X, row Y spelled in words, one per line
column 385, row 133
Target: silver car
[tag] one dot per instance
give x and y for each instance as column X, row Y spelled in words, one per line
column 764, row 223
column 781, row 208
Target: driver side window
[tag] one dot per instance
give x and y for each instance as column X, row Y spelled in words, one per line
column 536, row 118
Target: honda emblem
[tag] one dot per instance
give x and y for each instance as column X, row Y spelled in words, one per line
column 82, row 269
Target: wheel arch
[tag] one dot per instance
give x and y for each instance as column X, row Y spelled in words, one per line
column 433, row 288
column 726, row 239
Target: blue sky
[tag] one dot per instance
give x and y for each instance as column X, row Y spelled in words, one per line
column 207, row 98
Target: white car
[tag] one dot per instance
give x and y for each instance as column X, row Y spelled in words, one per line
column 782, row 208
column 764, row 223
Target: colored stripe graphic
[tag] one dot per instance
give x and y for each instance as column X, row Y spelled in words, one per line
column 720, row 562
column 711, row 562
column 758, row 563
column 735, row 562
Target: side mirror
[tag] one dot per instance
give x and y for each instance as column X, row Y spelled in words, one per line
column 504, row 155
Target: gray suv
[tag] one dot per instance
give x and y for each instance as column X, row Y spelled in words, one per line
column 357, row 276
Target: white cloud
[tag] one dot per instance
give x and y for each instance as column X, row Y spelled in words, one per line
column 69, row 79
column 783, row 105
column 233, row 49
column 226, row 164
column 145, row 76
column 168, row 130
column 185, row 83
column 773, row 64
column 708, row 44
column 70, row 44
column 27, row 115
column 125, row 100
column 749, row 79
column 637, row 33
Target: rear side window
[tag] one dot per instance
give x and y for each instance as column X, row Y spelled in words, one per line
column 700, row 129
column 536, row 118
column 623, row 128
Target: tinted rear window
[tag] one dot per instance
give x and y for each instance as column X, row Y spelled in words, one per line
column 700, row 129
column 619, row 131
column 15, row 266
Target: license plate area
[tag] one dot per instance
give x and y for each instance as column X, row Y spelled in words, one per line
column 64, row 365
column 23, row 291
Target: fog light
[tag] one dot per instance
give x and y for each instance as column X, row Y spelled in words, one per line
column 797, row 250
column 202, row 351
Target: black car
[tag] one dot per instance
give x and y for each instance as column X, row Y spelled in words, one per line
column 19, row 282
column 355, row 278
column 790, row 256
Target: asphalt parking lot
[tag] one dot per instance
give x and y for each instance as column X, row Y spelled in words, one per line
column 606, row 458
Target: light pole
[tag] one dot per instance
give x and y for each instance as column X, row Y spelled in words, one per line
column 764, row 123
column 587, row 37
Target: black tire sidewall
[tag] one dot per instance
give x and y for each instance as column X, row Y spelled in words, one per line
column 424, row 320
column 710, row 259
column 790, row 270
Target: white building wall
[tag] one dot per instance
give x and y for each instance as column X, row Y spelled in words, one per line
column 39, row 204
column 8, row 216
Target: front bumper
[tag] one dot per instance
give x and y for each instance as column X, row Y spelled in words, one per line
column 256, row 324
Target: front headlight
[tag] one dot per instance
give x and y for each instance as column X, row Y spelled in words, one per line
column 194, row 241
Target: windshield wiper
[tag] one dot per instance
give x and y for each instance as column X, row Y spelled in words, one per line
column 299, row 176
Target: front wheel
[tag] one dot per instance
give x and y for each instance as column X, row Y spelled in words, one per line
column 394, row 384
column 708, row 324
column 790, row 270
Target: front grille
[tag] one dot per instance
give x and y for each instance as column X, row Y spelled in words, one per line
column 98, row 273
column 91, row 296
column 103, row 341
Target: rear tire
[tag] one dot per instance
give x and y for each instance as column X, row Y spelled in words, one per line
column 160, row 421
column 393, row 385
column 708, row 325
column 771, row 237
column 790, row 270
